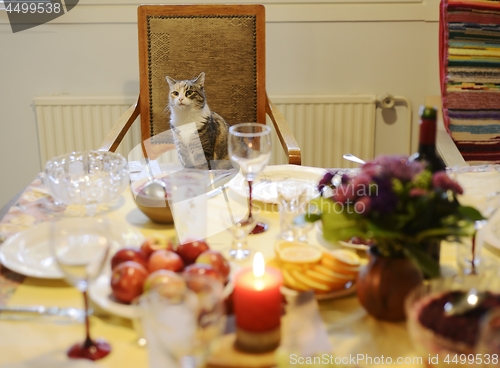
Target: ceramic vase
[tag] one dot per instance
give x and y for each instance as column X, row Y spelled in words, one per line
column 384, row 283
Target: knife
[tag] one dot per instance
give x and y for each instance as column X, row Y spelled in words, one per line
column 31, row 312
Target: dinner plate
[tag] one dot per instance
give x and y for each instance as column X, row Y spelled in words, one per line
column 28, row 252
column 101, row 294
column 264, row 186
column 328, row 244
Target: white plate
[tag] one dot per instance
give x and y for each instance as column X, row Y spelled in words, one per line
column 100, row 293
column 264, row 186
column 328, row 244
column 28, row 252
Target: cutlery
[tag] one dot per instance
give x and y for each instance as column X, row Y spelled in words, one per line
column 27, row 312
column 351, row 157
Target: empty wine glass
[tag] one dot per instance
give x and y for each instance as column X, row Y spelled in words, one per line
column 250, row 148
column 80, row 247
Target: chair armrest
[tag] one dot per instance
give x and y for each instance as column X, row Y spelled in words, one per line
column 445, row 145
column 285, row 135
column 121, row 127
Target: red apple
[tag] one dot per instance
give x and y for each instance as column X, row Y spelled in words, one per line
column 190, row 251
column 155, row 242
column 164, row 259
column 204, row 270
column 217, row 261
column 127, row 280
column 128, row 254
column 166, row 282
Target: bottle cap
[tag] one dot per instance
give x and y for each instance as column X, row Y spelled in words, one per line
column 427, row 112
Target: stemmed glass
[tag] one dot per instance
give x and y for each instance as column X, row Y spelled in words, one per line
column 486, row 201
column 250, row 148
column 81, row 247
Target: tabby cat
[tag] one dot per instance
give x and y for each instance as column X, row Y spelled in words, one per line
column 188, row 105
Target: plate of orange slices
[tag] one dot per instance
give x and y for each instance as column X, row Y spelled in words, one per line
column 329, row 273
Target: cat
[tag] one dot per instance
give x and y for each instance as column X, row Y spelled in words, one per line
column 188, row 105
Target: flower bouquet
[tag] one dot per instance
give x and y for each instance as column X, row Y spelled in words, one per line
column 396, row 203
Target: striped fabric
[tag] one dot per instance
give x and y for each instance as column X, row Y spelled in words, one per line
column 470, row 76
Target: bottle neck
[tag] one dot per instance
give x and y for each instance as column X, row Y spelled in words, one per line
column 427, row 132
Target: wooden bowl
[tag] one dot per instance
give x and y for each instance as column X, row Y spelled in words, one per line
column 156, row 210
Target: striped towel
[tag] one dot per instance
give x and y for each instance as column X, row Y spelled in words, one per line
column 470, row 76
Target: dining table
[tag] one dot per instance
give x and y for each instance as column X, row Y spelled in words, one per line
column 356, row 338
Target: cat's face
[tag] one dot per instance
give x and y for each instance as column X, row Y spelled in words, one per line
column 187, row 94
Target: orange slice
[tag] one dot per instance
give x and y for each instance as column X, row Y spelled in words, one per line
column 343, row 256
column 311, row 283
column 301, row 254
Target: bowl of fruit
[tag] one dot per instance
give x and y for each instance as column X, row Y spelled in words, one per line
column 329, row 273
column 158, row 263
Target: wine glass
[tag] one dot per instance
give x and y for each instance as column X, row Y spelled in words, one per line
column 486, row 201
column 250, row 148
column 235, row 219
column 81, row 247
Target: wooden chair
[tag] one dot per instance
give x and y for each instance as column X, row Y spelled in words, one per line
column 227, row 42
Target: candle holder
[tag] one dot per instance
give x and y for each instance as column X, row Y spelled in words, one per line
column 257, row 342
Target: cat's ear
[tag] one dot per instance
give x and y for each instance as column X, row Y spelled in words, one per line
column 171, row 82
column 200, row 79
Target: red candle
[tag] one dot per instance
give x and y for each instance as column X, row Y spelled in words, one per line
column 257, row 297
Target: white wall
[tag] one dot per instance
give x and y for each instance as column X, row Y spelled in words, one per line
column 324, row 48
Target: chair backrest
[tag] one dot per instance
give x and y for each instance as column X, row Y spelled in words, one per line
column 227, row 42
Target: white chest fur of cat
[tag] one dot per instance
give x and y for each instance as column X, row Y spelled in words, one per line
column 200, row 135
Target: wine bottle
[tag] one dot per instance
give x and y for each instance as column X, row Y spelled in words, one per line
column 427, row 141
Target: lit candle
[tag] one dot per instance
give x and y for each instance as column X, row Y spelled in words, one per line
column 257, row 302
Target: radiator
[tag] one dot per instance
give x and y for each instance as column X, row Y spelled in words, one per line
column 325, row 127
column 77, row 123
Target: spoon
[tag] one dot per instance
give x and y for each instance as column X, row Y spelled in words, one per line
column 154, row 188
column 351, row 157
column 464, row 302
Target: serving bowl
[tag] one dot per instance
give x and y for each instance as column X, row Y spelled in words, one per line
column 156, row 209
column 87, row 178
column 445, row 337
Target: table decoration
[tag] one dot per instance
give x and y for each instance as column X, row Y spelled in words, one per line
column 258, row 306
column 403, row 208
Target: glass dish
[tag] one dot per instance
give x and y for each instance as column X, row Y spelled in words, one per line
column 87, row 178
column 431, row 344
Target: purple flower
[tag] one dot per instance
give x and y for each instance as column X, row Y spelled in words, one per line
column 418, row 192
column 398, row 167
column 384, row 200
column 326, row 181
column 363, row 205
column 443, row 181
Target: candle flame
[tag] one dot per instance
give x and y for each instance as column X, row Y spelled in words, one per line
column 258, row 265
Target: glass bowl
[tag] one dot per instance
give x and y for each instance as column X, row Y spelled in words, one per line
column 449, row 337
column 87, row 178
